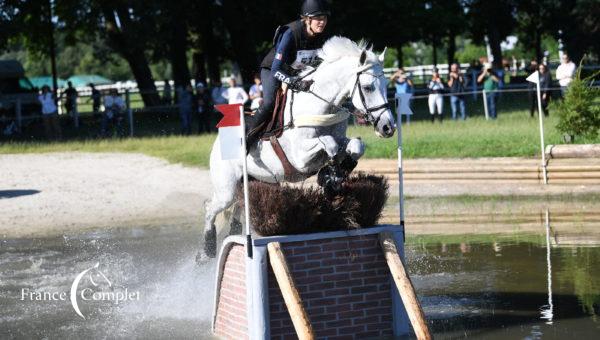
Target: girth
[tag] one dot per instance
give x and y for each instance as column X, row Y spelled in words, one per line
column 290, row 173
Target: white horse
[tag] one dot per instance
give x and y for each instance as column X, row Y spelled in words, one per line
column 348, row 71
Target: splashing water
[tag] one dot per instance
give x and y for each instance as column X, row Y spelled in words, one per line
column 175, row 294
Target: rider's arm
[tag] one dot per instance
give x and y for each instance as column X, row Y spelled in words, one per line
column 284, row 55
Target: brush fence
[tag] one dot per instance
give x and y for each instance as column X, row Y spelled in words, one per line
column 342, row 278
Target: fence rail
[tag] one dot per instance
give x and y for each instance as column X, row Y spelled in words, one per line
column 135, row 106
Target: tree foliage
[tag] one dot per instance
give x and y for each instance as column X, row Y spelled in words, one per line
column 185, row 39
column 579, row 112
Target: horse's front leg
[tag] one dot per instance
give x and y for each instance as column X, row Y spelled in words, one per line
column 309, row 150
column 355, row 148
column 339, row 167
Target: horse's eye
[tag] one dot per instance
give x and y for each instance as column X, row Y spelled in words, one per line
column 369, row 88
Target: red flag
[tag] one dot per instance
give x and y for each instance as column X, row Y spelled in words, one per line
column 231, row 114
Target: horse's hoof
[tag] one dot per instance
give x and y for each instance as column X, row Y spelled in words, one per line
column 210, row 243
column 236, row 227
column 202, row 258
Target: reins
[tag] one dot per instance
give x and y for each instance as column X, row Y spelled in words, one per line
column 360, row 114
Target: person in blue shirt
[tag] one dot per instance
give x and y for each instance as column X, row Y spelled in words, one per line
column 403, row 84
column 401, row 81
column 295, row 46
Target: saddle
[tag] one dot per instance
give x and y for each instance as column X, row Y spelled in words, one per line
column 272, row 129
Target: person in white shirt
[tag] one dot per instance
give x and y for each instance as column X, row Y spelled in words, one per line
column 49, row 114
column 235, row 94
column 436, row 100
column 565, row 72
column 256, row 93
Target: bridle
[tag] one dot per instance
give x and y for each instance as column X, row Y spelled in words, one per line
column 367, row 112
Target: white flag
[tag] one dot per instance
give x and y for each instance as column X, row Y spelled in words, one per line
column 230, row 132
column 534, row 78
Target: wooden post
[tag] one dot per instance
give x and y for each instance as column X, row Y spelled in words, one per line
column 129, row 112
column 405, row 286
column 290, row 293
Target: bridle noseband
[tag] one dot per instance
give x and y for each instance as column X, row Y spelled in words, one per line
column 367, row 114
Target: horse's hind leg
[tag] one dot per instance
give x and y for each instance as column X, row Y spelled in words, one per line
column 224, row 193
column 220, row 201
column 235, row 223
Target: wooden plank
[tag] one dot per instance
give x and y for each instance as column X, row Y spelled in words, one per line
column 405, row 286
column 290, row 293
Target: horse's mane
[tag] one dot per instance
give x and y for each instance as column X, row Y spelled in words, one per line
column 338, row 47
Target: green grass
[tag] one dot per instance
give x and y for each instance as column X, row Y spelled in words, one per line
column 512, row 238
column 513, row 134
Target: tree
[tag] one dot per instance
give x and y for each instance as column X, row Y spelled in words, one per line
column 577, row 21
column 494, row 19
column 534, row 18
column 397, row 22
column 579, row 114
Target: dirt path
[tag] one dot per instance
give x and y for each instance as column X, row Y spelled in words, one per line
column 45, row 194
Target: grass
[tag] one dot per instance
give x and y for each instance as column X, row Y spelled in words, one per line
column 514, row 133
column 512, row 238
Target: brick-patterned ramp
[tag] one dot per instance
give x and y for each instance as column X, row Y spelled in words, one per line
column 342, row 277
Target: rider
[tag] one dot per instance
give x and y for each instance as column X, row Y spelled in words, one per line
column 296, row 45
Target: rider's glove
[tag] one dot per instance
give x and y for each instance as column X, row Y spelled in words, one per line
column 297, row 84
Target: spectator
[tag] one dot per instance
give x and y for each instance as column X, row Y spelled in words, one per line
column 71, row 101
column 216, row 94
column 403, row 84
column 203, row 108
column 49, row 114
column 113, row 108
column 545, row 86
column 167, row 93
column 436, row 100
column 186, row 99
column 565, row 72
column 235, row 94
column 256, row 93
column 532, row 94
column 96, row 98
column 456, row 83
column 490, row 87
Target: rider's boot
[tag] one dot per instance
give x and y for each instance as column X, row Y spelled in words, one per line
column 253, row 127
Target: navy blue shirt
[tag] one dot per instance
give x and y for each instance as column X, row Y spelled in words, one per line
column 285, row 54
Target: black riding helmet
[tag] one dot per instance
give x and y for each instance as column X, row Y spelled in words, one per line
column 313, row 8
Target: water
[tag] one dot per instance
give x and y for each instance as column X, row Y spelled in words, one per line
column 481, row 286
column 175, row 295
column 503, row 287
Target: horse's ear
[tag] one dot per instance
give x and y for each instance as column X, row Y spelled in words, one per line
column 363, row 57
column 382, row 55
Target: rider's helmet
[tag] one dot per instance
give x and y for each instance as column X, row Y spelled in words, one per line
column 313, row 8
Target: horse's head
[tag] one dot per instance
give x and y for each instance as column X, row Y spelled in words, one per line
column 369, row 94
column 361, row 81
